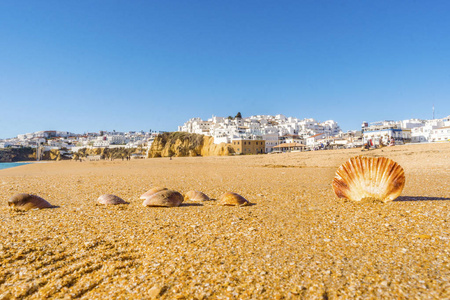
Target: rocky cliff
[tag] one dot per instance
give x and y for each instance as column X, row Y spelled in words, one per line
column 53, row 154
column 27, row 154
column 17, row 154
column 187, row 144
column 211, row 149
column 107, row 153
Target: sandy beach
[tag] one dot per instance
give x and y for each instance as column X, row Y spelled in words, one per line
column 297, row 240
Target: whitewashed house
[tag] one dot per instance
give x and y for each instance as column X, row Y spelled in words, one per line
column 312, row 141
column 270, row 135
column 5, row 145
column 269, row 128
column 441, row 134
column 384, row 135
column 116, row 139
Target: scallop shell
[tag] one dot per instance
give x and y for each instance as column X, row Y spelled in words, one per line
column 152, row 191
column 196, row 196
column 28, row 201
column 109, row 199
column 378, row 178
column 166, row 198
column 233, row 199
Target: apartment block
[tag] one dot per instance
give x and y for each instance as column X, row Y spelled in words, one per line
column 243, row 146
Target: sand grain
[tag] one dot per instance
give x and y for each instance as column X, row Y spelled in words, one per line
column 297, row 241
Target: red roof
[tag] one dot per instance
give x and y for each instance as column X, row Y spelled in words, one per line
column 319, row 134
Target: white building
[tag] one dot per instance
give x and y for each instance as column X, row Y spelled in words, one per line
column 424, row 133
column 312, row 141
column 196, row 125
column 116, row 139
column 5, row 145
column 57, row 144
column 441, row 134
column 413, row 130
column 101, row 143
column 384, row 135
column 271, row 138
column 53, row 139
column 269, row 128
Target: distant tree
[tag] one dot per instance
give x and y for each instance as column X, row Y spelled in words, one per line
column 230, row 118
column 238, row 116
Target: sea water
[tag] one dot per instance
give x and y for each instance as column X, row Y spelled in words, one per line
column 7, row 165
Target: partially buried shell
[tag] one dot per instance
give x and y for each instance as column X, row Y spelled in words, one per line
column 166, row 198
column 231, row 199
column 109, row 199
column 28, row 201
column 196, row 196
column 152, row 191
column 377, row 178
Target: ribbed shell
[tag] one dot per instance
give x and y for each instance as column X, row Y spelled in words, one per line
column 152, row 191
column 166, row 198
column 196, row 196
column 109, row 199
column 27, row 201
column 233, row 199
column 378, row 178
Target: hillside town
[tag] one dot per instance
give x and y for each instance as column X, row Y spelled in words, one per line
column 280, row 133
column 256, row 134
column 69, row 142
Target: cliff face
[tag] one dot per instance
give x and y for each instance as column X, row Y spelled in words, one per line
column 186, row 144
column 17, row 154
column 106, row 153
column 52, row 155
column 211, row 149
column 27, row 154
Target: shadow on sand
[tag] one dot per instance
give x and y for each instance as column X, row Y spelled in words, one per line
column 19, row 211
column 416, row 198
column 191, row 204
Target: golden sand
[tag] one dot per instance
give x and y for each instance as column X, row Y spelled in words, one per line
column 297, row 240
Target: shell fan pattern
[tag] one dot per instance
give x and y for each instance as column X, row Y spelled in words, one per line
column 377, row 178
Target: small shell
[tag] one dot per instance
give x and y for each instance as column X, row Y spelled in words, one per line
column 378, row 178
column 109, row 199
column 166, row 198
column 196, row 196
column 27, row 201
column 152, row 191
column 233, row 199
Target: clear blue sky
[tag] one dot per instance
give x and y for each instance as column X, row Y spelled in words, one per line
column 139, row 65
